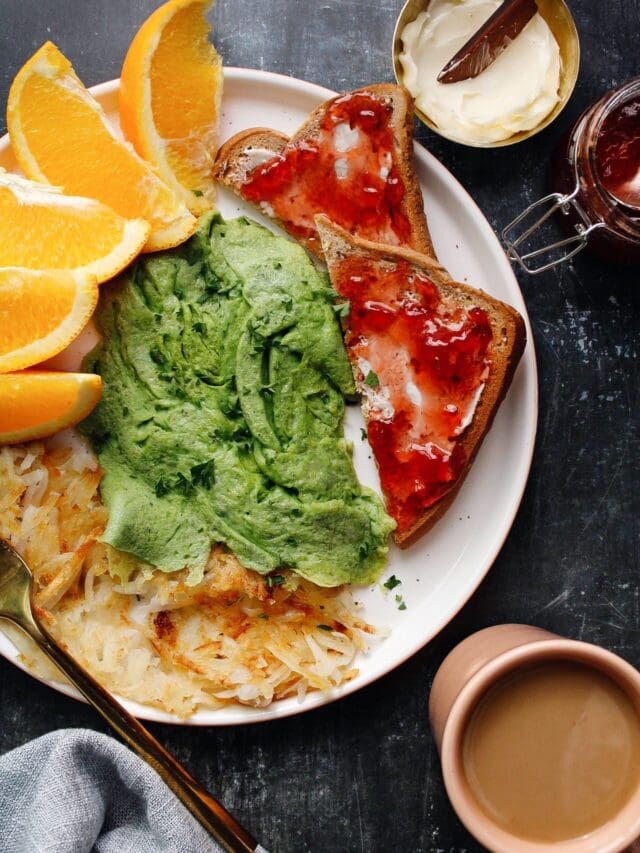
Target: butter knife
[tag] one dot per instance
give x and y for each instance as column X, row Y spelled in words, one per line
column 485, row 45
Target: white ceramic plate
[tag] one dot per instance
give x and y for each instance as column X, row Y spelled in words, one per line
column 441, row 571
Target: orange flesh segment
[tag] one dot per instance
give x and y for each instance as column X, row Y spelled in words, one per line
column 68, row 236
column 34, row 310
column 182, row 62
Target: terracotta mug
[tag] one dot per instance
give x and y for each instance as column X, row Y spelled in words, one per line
column 466, row 674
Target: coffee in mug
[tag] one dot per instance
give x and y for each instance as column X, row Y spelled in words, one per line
column 552, row 752
column 539, row 739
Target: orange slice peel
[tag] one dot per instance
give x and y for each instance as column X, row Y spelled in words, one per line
column 41, row 312
column 36, row 404
column 170, row 93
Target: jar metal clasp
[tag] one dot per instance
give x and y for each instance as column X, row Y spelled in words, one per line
column 517, row 233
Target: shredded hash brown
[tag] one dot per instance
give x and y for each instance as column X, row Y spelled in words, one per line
column 236, row 637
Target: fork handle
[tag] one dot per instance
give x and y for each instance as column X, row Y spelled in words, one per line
column 208, row 811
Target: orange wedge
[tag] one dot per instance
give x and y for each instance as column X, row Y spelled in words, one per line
column 41, row 312
column 170, row 92
column 61, row 136
column 36, row 404
column 40, row 228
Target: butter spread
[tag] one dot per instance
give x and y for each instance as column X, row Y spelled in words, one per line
column 254, row 157
column 515, row 93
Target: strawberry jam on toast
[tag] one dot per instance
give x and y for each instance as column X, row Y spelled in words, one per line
column 352, row 160
column 432, row 359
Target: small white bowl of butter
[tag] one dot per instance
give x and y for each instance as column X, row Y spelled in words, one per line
column 518, row 95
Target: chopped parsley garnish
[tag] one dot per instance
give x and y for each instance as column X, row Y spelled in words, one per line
column 204, row 474
column 342, row 308
column 363, row 434
column 157, row 356
column 392, row 582
column 198, row 193
column 325, row 627
column 371, row 379
column 274, row 580
column 199, row 475
column 183, row 485
column 400, row 602
column 162, row 488
column 263, row 616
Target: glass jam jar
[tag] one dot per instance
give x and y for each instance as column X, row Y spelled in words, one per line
column 596, row 174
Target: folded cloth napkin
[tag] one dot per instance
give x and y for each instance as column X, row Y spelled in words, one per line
column 76, row 790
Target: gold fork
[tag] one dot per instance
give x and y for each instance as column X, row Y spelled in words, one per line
column 16, row 591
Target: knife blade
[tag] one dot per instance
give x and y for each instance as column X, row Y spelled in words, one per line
column 487, row 43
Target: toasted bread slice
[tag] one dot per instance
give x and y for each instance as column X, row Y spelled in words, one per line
column 433, row 359
column 351, row 160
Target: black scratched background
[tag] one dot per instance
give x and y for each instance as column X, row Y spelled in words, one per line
column 362, row 774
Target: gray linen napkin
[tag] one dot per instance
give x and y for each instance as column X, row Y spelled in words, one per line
column 76, row 790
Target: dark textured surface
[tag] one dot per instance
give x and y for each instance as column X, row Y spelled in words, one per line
column 362, row 775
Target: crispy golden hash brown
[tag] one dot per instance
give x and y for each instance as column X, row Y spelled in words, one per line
column 234, row 637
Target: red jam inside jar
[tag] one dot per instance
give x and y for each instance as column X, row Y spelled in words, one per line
column 601, row 158
column 348, row 171
column 421, row 362
column 617, row 152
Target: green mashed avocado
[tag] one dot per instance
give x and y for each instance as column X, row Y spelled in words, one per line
column 224, row 378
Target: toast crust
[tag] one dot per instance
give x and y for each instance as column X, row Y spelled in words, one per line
column 509, row 339
column 235, row 159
